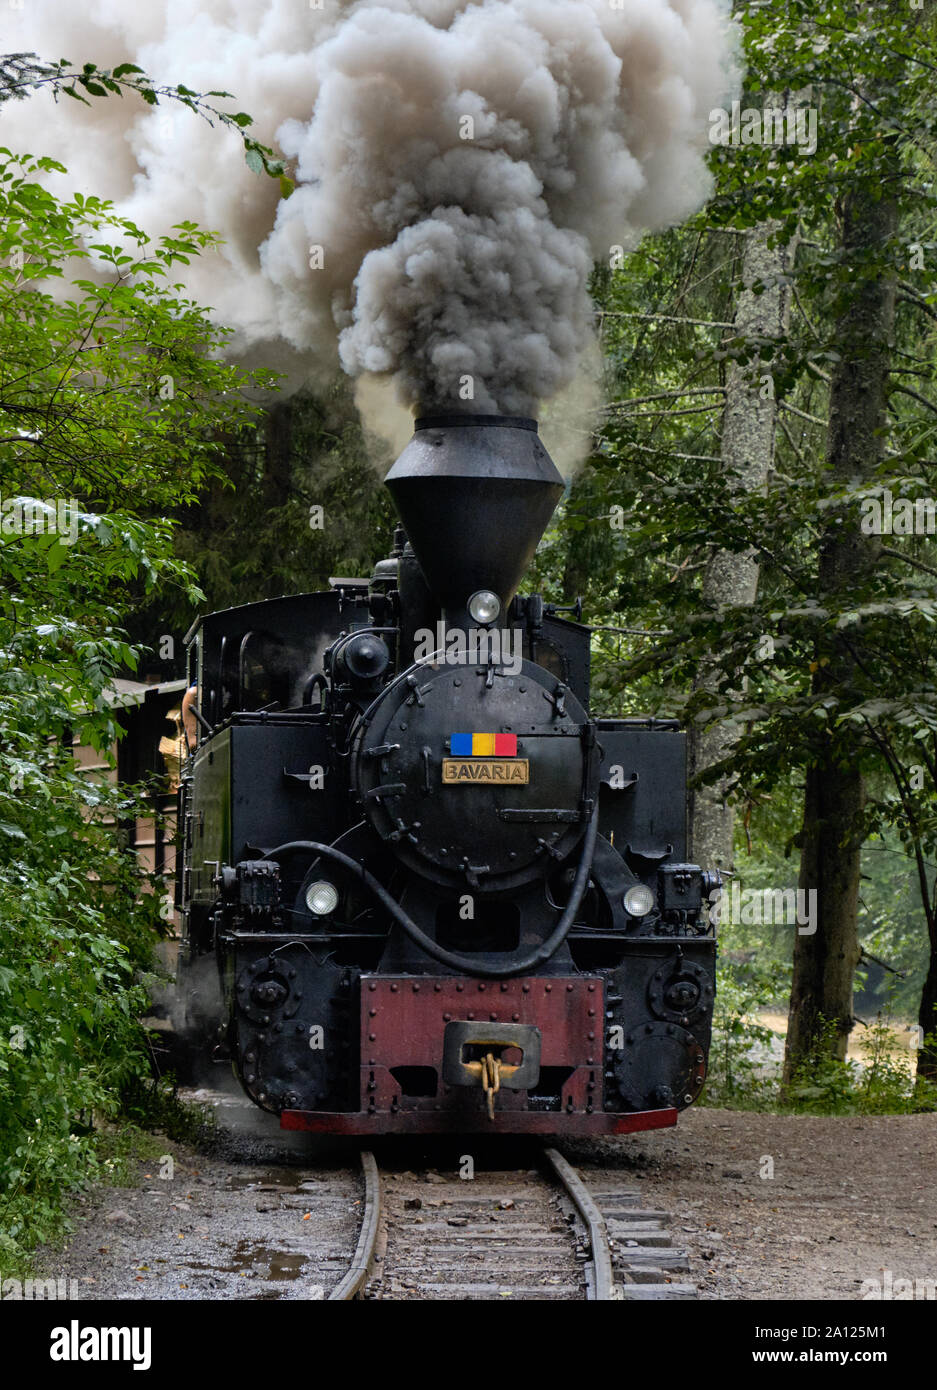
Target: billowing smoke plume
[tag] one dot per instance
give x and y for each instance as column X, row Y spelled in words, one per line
column 458, row 167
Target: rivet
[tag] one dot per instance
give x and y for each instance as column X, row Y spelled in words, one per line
column 372, row 985
column 446, row 1018
column 515, row 1017
column 525, row 988
column 459, row 988
column 592, row 989
column 504, row 988
column 569, row 989
column 416, row 989
column 393, row 989
column 591, row 1037
column 471, row 1015
column 592, row 1013
column 437, row 988
column 492, row 1017
column 548, row 989
column 372, row 1037
column 481, row 987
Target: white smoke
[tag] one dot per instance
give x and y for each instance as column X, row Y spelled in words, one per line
column 460, row 166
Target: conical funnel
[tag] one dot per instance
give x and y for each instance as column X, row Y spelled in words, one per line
column 475, row 494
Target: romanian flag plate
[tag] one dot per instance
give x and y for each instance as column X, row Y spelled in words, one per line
column 483, row 745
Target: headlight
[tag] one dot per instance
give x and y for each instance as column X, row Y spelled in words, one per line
column 484, row 607
column 322, row 898
column 638, row 900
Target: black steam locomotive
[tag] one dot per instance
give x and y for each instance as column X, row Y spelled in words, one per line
column 441, row 895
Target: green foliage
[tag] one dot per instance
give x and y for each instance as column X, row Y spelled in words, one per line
column 801, row 669
column 92, row 321
column 21, row 74
column 882, row 1085
column 154, row 1103
column 305, row 485
column 743, row 1056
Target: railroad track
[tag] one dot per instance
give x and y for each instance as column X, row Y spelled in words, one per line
column 541, row 1233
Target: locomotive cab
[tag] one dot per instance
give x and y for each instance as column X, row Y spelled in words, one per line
column 440, row 893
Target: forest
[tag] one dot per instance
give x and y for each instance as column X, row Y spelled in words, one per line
column 752, row 531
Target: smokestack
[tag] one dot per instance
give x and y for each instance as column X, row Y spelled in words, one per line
column 475, row 493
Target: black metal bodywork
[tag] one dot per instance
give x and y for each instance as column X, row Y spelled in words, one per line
column 478, row 900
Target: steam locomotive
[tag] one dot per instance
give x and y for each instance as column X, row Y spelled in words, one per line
column 440, row 895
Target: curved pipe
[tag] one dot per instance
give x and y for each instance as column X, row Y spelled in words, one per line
column 465, row 964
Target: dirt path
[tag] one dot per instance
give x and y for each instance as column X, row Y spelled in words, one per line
column 767, row 1206
column 849, row 1199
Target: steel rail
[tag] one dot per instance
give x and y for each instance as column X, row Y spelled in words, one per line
column 352, row 1285
column 601, row 1289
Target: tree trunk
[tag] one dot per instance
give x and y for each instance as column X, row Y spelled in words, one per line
column 831, row 838
column 927, row 1017
column 731, row 577
column 278, row 464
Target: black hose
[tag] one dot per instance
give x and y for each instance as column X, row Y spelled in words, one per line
column 466, row 964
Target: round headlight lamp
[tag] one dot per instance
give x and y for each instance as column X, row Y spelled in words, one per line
column 638, row 900
column 321, row 898
column 484, row 607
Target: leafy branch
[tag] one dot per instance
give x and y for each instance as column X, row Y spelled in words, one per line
column 24, row 73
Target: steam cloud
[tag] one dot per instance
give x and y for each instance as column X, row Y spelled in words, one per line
column 460, row 166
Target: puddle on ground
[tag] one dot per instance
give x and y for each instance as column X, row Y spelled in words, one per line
column 249, row 1254
column 271, row 1180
